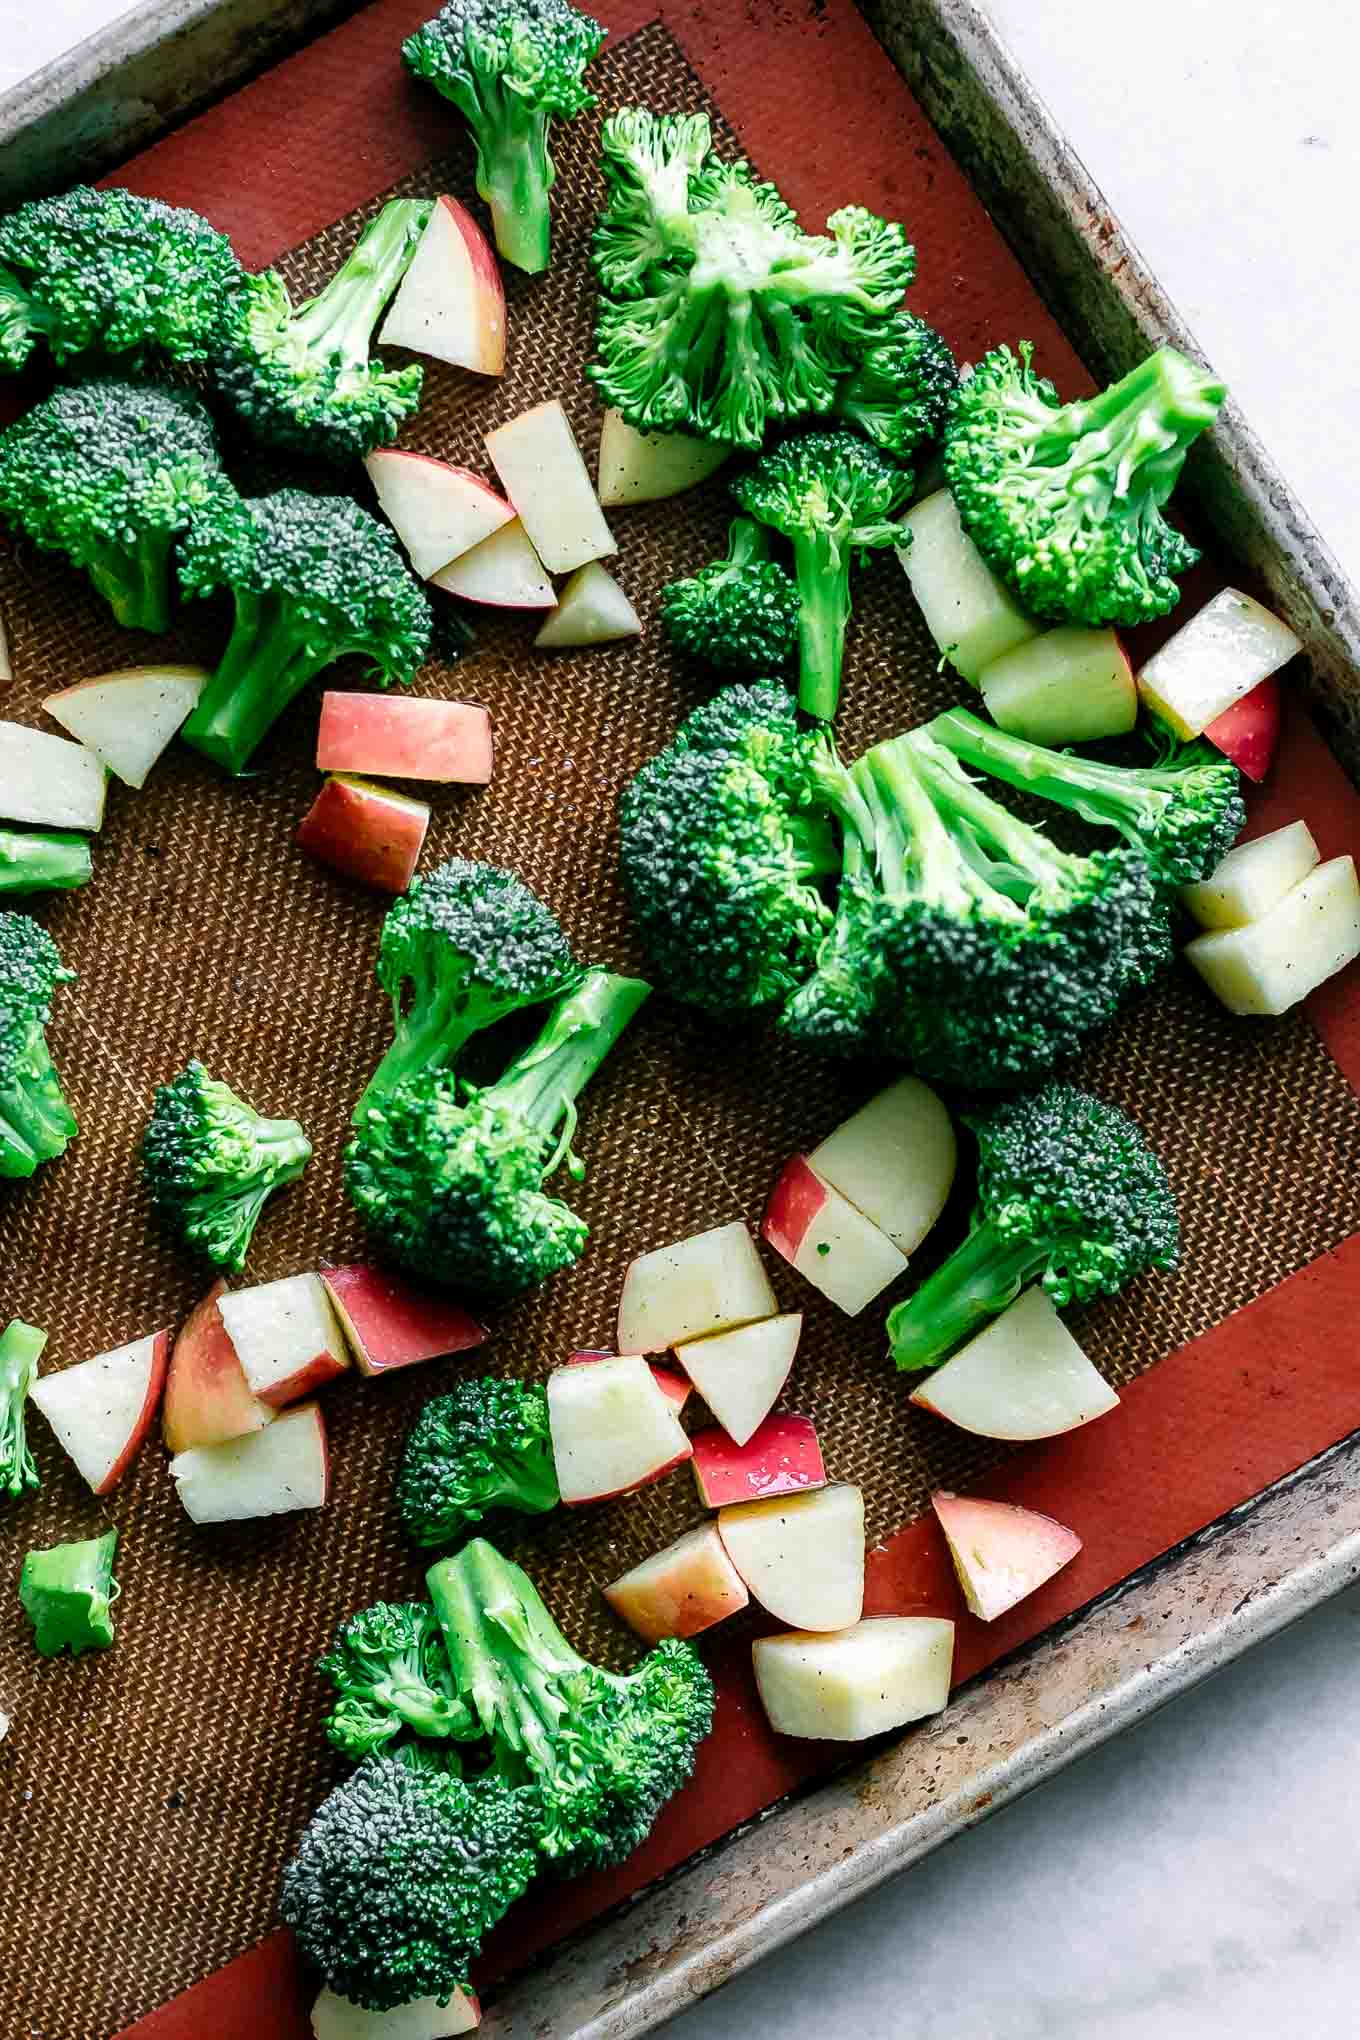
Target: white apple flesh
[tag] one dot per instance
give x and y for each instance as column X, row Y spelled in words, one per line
column 503, row 572
column 894, row 1160
column 1067, row 686
column 339, row 2018
column 1253, row 877
column 972, row 616
column 451, row 302
column 823, row 1236
column 272, row 1473
column 591, row 610
column 1225, row 651
column 705, row 1284
column 1024, row 1377
column 681, row 1591
column 612, row 1429
column 437, row 510
column 404, row 737
column 390, row 1324
column 880, row 1675
column 286, row 1336
column 741, row 1374
column 647, row 467
column 1001, row 1553
column 102, row 1409
column 128, row 719
column 49, row 781
column 207, row 1397
column 543, row 474
column 1306, row 938
column 801, row 1556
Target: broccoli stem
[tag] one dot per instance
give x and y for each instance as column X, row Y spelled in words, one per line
column 268, row 661
column 1122, row 797
column 338, row 323
column 822, row 570
column 505, row 1651
column 135, row 582
column 514, row 175
column 35, row 1120
column 21, row 1348
column 541, row 1087
column 1140, row 427
column 977, row 1282
column 1025, row 848
column 47, row 860
column 17, row 321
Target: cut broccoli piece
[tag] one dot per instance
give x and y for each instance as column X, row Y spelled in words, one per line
column 833, row 496
column 1069, row 1194
column 486, row 1445
column 741, row 614
column 900, row 394
column 211, row 1162
column 35, row 1120
column 511, row 67
column 68, row 1593
column 314, row 579
column 21, row 1349
column 718, row 314
column 391, row 1675
column 43, row 860
column 1065, row 501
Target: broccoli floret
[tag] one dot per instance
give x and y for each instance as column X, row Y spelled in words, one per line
column 1069, row 1194
column 1065, row 500
column 718, row 314
column 68, row 1592
column 1182, row 814
column 511, row 67
column 606, row 1751
column 391, row 1675
column 304, row 378
column 43, row 860
column 723, row 847
column 833, row 496
column 314, row 579
column 108, row 272
column 210, row 1162
column 401, row 1872
column 900, row 394
column 35, row 1120
column 740, row 614
column 110, row 473
column 21, row 1349
column 485, row 1445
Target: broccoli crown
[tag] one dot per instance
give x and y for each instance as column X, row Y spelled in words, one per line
column 718, row 314
column 723, row 847
column 210, row 1161
column 108, row 272
column 485, row 1445
column 900, row 394
column 401, row 1872
column 304, row 378
column 68, row 1592
column 606, row 1751
column 35, row 1120
column 110, row 472
column 741, row 613
column 1065, row 500
column 391, row 1675
column 1069, row 1194
column 21, row 1348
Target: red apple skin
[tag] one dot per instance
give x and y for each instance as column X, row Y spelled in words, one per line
column 402, row 737
column 696, row 1587
column 314, row 1373
column 489, row 291
column 1249, row 731
column 783, row 1457
column 795, row 1200
column 676, row 1388
column 366, row 832
column 207, row 1398
column 155, row 1388
column 325, row 1456
column 391, row 1324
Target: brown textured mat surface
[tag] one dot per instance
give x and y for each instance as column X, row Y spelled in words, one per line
column 135, row 1852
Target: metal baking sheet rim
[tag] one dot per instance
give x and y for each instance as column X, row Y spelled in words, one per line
column 1198, row 1607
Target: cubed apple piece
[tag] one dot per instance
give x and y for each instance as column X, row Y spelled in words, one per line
column 682, row 1591
column 1249, row 731
column 366, row 832
column 741, row 1374
column 1253, row 877
column 1001, row 1553
column 894, row 1160
column 591, row 610
column 972, row 616
column 543, row 474
column 339, row 2018
column 282, row 1468
column 49, row 780
column 127, row 719
column 1025, row 1376
column 823, row 1236
column 399, row 736
column 646, row 467
column 1310, row 935
column 390, row 1323
column 438, row 511
column 708, row 1283
column 886, row 1671
column 451, row 303
column 207, row 1396
column 782, row 1458
column 1067, row 686
column 1223, row 652
column 503, row 572
column 676, row 1389
column 102, row 1409
column 612, row 1429
column 802, row 1556
column 287, row 1337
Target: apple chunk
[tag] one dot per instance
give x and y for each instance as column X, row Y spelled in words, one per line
column 207, row 1396
column 403, row 737
column 894, row 1159
column 543, row 474
column 286, row 1337
column 823, row 1236
column 1249, row 731
column 972, row 616
column 282, row 1468
column 883, row 1673
column 451, row 303
column 1001, row 1553
column 438, row 511
column 676, row 1389
column 782, row 1458
column 102, row 1409
column 740, row 1373
column 612, row 1428
column 49, row 780
column 339, row 2018
column 1067, row 686
column 1306, row 938
column 127, row 719
column 802, row 1556
column 681, row 1591
column 646, row 467
column 389, row 1323
column 701, row 1285
column 1225, row 651
column 591, row 610
column 503, row 572
column 365, row 832
column 1025, row 1376
column 1253, row 877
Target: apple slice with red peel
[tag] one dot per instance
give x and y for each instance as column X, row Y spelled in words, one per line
column 1220, row 655
column 503, row 572
column 286, row 1336
column 390, row 1324
column 437, row 510
column 647, row 467
column 272, row 1473
column 592, row 609
column 612, row 1429
column 1001, row 1553
column 1023, row 1377
column 49, row 781
column 782, row 1458
column 127, row 719
column 802, row 1556
column 823, row 1236
column 740, row 1374
column 102, row 1409
column 207, row 1396
column 894, row 1160
column 676, row 1389
column 339, row 2018
column 884, row 1672
column 706, row 1284
column 543, row 474
column 366, row 832
column 682, row 1590
column 400, row 736
column 451, row 302
column 1253, row 877
column 1249, row 731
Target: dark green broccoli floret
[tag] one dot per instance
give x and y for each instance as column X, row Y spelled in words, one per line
column 43, row 860
column 485, row 1445
column 832, row 495
column 68, row 1593
column 210, row 1163
column 111, row 473
column 1069, row 1194
column 401, row 1872
column 740, row 614
column 606, row 1751
column 314, row 579
column 21, row 1349
column 450, row 1178
column 511, row 67
column 900, row 394
column 718, row 314
column 304, row 378
column 108, row 272
column 1065, row 500
column 391, row 1675
column 1182, row 814
column 35, row 1120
